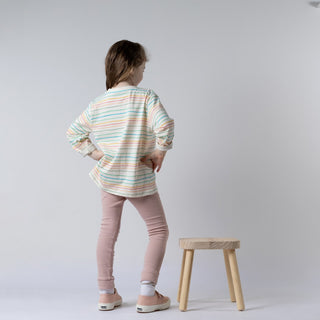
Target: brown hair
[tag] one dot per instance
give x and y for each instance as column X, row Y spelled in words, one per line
column 121, row 58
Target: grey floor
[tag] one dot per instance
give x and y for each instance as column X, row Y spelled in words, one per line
column 76, row 304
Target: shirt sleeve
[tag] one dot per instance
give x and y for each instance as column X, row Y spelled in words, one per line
column 159, row 122
column 79, row 131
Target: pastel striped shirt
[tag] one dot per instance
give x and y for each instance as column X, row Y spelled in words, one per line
column 127, row 123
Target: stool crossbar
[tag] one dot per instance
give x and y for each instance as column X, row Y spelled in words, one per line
column 228, row 245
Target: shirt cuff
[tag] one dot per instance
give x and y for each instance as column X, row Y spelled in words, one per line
column 90, row 148
column 164, row 148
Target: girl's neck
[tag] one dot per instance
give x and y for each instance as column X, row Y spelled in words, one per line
column 123, row 84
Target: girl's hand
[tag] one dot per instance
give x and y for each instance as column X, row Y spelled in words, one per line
column 96, row 154
column 154, row 159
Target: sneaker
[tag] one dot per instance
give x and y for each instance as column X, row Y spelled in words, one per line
column 109, row 301
column 153, row 303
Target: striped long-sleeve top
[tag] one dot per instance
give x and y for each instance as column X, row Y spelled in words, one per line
column 127, row 123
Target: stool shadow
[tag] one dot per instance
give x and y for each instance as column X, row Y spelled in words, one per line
column 217, row 305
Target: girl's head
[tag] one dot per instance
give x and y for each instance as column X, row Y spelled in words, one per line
column 125, row 61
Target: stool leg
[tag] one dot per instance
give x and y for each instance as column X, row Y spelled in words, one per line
column 236, row 278
column 186, row 280
column 181, row 274
column 229, row 276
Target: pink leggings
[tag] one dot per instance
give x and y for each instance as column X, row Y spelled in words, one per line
column 151, row 210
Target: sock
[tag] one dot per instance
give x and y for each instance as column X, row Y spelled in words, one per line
column 147, row 288
column 109, row 291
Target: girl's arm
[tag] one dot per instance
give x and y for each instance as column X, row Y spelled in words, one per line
column 78, row 133
column 96, row 154
column 160, row 122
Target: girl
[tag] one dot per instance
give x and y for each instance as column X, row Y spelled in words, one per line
column 134, row 132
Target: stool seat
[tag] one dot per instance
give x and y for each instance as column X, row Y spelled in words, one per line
column 229, row 246
column 209, row 243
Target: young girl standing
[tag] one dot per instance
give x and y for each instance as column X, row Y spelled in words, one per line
column 134, row 132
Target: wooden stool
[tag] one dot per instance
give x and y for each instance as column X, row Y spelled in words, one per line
column 228, row 245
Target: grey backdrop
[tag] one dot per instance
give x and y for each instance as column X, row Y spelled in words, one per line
column 240, row 78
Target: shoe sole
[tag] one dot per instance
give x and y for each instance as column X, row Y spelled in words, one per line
column 156, row 307
column 109, row 306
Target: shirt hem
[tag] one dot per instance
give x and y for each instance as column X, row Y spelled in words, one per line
column 147, row 193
